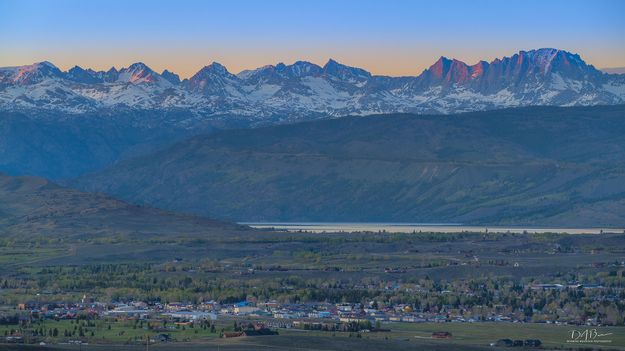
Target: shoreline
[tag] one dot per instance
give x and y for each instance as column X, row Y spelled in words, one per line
column 337, row 227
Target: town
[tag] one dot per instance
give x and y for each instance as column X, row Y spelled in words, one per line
column 42, row 321
column 517, row 289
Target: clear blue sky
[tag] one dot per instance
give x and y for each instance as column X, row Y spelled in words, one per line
column 386, row 37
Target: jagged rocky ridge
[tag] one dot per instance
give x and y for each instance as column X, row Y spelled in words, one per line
column 304, row 90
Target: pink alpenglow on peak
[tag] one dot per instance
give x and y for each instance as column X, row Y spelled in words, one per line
column 303, row 89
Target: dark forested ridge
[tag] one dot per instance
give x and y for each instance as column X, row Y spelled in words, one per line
column 539, row 166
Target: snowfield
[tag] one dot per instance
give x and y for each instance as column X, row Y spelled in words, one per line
column 293, row 92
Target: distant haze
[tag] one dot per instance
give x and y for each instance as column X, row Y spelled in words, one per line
column 390, row 38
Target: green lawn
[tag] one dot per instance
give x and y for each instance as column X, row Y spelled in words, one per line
column 485, row 333
column 475, row 334
column 403, row 336
column 111, row 331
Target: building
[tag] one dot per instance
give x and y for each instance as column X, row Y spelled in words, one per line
column 532, row 343
column 441, row 335
column 129, row 312
column 161, row 338
column 245, row 309
column 191, row 315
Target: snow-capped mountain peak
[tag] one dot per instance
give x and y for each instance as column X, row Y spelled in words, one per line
column 171, row 77
column 302, row 69
column 303, row 89
column 86, row 76
column 30, row 74
column 341, row 71
column 138, row 73
column 213, row 80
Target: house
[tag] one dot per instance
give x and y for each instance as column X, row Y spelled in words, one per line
column 270, row 304
column 125, row 311
column 441, row 335
column 344, row 307
column 209, row 305
column 319, row 314
column 245, row 309
column 259, row 332
column 283, row 315
column 256, row 331
column 590, row 286
column 30, row 305
column 140, row 305
column 14, row 339
column 228, row 335
column 177, row 306
column 191, row 315
column 503, row 343
column 352, row 319
column 547, row 287
column 533, row 343
column 161, row 338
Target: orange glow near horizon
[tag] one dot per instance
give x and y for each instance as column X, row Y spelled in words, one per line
column 397, row 38
column 404, row 63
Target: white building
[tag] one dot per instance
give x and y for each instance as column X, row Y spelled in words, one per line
column 192, row 315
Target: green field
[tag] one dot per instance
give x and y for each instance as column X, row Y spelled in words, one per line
column 403, row 336
column 471, row 275
column 111, row 331
column 552, row 336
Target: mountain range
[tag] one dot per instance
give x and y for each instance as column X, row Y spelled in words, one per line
column 614, row 70
column 368, row 148
column 303, row 90
column 548, row 166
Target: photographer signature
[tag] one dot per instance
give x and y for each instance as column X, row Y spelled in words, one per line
column 587, row 336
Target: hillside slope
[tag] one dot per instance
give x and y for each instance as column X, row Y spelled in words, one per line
column 32, row 207
column 57, row 146
column 540, row 166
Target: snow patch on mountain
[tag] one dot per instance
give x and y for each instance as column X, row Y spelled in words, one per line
column 303, row 89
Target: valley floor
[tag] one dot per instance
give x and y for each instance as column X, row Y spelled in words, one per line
column 362, row 287
column 402, row 336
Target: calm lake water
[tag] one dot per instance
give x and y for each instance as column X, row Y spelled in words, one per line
column 319, row 227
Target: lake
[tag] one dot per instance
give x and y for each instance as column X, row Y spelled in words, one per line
column 321, row 227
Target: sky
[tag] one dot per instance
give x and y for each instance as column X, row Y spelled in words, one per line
column 389, row 37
